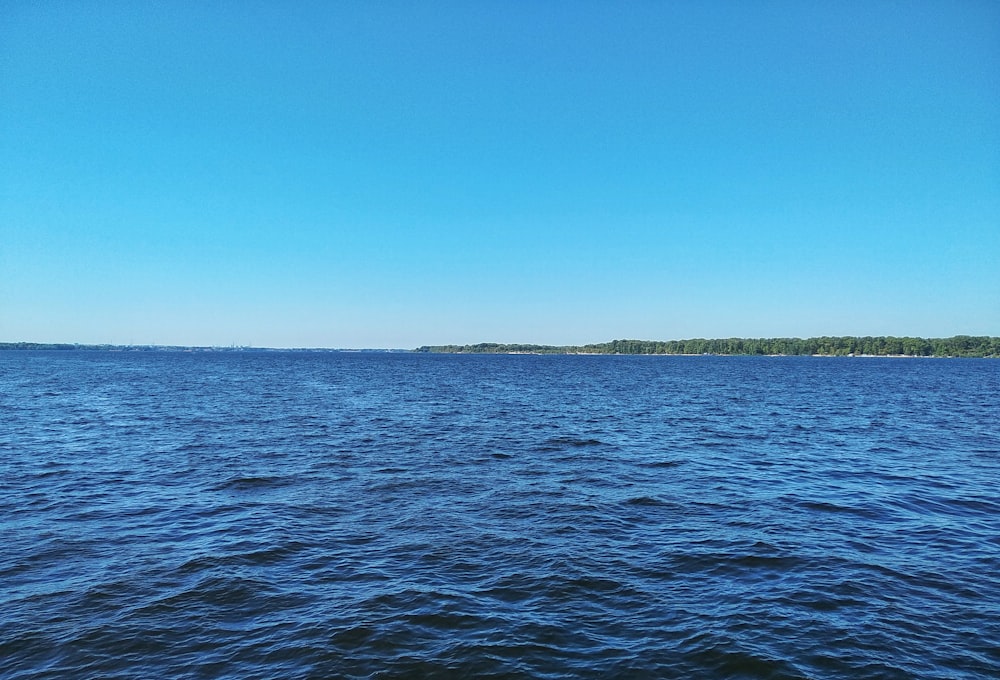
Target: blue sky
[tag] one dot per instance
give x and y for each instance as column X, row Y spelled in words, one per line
column 391, row 174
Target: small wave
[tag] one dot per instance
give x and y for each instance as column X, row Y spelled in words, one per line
column 557, row 443
column 55, row 472
column 822, row 603
column 733, row 663
column 823, row 506
column 251, row 483
column 728, row 563
column 884, row 450
column 646, row 501
column 664, row 464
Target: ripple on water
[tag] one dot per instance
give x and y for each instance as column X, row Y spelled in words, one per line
column 356, row 515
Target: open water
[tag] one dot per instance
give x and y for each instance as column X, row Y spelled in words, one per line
column 345, row 515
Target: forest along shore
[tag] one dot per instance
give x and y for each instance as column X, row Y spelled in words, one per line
column 856, row 346
column 872, row 346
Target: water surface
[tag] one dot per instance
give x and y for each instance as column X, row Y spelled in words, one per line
column 259, row 515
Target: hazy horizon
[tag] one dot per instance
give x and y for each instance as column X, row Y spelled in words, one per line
column 362, row 175
column 234, row 346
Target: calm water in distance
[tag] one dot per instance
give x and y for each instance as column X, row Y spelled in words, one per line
column 266, row 515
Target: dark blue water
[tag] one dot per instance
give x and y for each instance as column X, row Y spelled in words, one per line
column 265, row 515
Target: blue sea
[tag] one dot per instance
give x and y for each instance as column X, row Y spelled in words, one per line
column 384, row 515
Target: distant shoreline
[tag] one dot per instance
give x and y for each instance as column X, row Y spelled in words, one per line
column 847, row 346
column 825, row 346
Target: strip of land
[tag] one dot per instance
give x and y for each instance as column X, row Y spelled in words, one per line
column 956, row 346
column 882, row 346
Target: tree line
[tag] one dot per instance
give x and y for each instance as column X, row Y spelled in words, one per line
column 887, row 345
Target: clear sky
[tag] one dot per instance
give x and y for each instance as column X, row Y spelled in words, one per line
column 391, row 174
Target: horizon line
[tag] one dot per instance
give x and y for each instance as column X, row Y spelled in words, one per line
column 237, row 347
